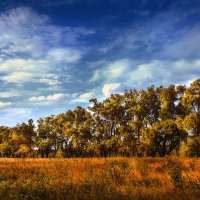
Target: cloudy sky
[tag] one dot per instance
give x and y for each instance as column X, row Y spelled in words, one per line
column 55, row 55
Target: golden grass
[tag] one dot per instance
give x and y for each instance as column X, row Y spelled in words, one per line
column 169, row 178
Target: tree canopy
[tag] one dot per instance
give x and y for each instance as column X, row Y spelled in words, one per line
column 153, row 122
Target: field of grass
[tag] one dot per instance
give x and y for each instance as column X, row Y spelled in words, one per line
column 99, row 178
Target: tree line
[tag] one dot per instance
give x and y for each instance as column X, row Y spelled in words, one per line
column 158, row 121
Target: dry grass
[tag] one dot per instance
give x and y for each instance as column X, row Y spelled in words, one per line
column 98, row 178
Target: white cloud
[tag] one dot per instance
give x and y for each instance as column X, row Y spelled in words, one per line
column 117, row 68
column 110, row 88
column 9, row 94
column 112, row 70
column 45, row 100
column 156, row 72
column 148, row 71
column 23, row 65
column 96, row 76
column 18, row 77
column 65, row 55
column 48, row 79
column 187, row 66
column 5, row 104
column 84, row 98
column 32, row 47
column 24, row 77
column 165, row 72
column 18, row 34
column 28, row 70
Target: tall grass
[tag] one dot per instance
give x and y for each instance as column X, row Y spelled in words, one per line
column 100, row 178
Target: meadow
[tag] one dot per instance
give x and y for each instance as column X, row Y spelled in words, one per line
column 100, row 178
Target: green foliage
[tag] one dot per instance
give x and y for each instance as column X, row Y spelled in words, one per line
column 59, row 153
column 5, row 149
column 191, row 148
column 23, row 150
column 191, row 123
column 151, row 122
column 194, row 147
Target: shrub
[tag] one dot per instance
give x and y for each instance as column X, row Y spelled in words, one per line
column 175, row 169
column 118, row 171
column 59, row 154
column 191, row 148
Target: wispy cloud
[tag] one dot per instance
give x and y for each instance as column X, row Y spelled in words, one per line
column 131, row 74
column 167, row 35
column 161, row 50
column 110, row 88
column 84, row 97
column 46, row 100
column 65, row 55
column 164, row 72
column 186, row 46
column 112, row 70
column 43, row 63
column 5, row 104
column 10, row 114
column 36, row 58
column 9, row 94
column 25, row 65
column 34, row 51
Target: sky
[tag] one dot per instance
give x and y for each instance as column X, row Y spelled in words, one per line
column 56, row 55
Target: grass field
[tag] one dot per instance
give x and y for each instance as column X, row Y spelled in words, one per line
column 170, row 178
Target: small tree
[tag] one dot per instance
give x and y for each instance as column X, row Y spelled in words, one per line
column 23, row 151
column 59, row 153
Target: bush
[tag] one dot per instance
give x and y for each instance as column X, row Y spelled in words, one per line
column 118, row 171
column 191, row 148
column 59, row 154
column 4, row 188
column 175, row 169
column 194, row 147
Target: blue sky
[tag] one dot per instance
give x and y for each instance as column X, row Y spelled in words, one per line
column 55, row 55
